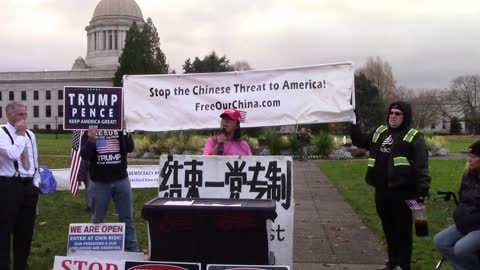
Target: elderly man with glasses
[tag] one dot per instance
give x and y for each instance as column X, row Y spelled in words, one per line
column 19, row 180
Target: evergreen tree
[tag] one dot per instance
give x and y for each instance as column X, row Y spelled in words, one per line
column 141, row 54
column 369, row 103
column 188, row 66
column 455, row 126
column 210, row 63
column 156, row 61
column 128, row 55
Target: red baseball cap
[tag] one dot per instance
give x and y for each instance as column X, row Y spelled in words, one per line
column 234, row 114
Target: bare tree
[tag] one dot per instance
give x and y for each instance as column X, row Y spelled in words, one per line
column 380, row 73
column 405, row 93
column 446, row 106
column 463, row 98
column 425, row 109
column 241, row 65
column 424, row 105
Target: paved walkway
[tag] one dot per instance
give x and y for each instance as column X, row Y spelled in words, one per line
column 327, row 232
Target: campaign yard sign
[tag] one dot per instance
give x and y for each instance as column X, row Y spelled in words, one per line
column 92, row 106
column 96, row 237
column 157, row 265
column 69, row 263
column 246, row 267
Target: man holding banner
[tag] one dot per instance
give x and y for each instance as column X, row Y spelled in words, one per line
column 107, row 150
column 398, row 169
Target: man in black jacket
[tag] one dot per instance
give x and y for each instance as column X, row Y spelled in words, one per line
column 398, row 169
column 107, row 153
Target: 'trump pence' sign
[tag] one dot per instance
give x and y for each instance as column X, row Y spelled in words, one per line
column 93, row 106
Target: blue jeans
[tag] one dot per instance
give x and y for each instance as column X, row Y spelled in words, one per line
column 89, row 200
column 121, row 193
column 303, row 152
column 461, row 250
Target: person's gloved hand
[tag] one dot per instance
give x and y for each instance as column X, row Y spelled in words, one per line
column 421, row 197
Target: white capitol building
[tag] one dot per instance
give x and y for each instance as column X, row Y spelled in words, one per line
column 42, row 92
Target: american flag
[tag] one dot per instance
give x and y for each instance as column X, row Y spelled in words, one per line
column 75, row 161
column 413, row 205
column 243, row 116
column 105, row 146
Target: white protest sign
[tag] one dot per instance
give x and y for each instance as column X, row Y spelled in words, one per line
column 243, row 177
column 306, row 95
column 69, row 263
column 98, row 237
column 143, row 176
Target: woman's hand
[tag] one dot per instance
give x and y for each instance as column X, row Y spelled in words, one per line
column 221, row 138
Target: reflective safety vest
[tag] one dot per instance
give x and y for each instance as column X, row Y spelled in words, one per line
column 401, row 163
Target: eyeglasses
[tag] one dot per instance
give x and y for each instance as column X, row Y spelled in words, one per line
column 396, row 113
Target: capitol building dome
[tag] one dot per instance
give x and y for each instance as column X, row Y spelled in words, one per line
column 107, row 31
column 126, row 8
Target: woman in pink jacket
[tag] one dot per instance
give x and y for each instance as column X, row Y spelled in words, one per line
column 228, row 141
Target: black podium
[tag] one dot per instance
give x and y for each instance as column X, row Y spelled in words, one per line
column 221, row 231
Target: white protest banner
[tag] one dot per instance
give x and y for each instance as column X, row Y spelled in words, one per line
column 99, row 237
column 143, row 176
column 92, row 106
column 140, row 176
column 69, row 263
column 243, row 177
column 306, row 95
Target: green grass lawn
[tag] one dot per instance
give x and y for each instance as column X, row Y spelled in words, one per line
column 460, row 143
column 348, row 178
column 49, row 144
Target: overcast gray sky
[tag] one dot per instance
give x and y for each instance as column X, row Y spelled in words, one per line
column 427, row 42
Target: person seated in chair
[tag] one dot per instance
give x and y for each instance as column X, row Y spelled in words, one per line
column 460, row 243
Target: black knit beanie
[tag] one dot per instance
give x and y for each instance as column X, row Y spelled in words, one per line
column 474, row 149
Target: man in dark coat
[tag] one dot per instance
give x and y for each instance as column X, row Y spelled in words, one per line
column 398, row 169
